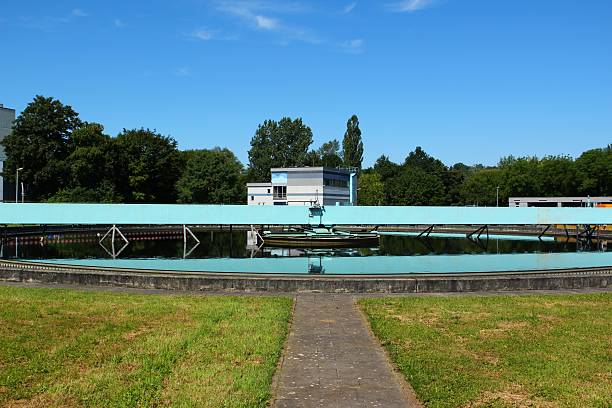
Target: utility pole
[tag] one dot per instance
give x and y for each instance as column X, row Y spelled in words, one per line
column 497, row 197
column 17, row 185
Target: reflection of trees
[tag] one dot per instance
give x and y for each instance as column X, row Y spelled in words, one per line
column 222, row 244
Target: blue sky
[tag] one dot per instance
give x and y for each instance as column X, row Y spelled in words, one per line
column 468, row 80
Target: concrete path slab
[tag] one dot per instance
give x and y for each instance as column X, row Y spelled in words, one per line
column 332, row 360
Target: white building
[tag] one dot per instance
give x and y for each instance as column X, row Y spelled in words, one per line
column 559, row 201
column 305, row 186
column 7, row 117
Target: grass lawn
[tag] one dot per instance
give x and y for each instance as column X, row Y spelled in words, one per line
column 500, row 351
column 73, row 348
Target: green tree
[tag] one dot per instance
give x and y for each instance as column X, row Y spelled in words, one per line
column 278, row 144
column 330, row 154
column 371, row 189
column 419, row 159
column 454, row 178
column 556, row 177
column 327, row 155
column 352, row 145
column 414, row 186
column 93, row 166
column 594, row 172
column 39, row 144
column 519, row 176
column 386, row 168
column 151, row 166
column 211, row 176
column 480, row 188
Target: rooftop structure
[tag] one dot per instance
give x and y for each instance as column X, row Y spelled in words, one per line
column 7, row 117
column 305, row 186
column 559, row 201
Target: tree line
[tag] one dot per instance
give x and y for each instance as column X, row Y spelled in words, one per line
column 424, row 180
column 66, row 159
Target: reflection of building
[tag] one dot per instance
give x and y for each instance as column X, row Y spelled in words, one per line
column 7, row 117
column 306, row 186
column 559, row 201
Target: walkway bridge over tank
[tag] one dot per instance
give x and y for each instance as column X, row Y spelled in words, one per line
column 195, row 214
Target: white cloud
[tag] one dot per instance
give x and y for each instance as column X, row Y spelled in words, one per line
column 266, row 23
column 349, row 7
column 409, row 5
column 78, row 13
column 262, row 15
column 119, row 23
column 202, row 34
column 354, row 46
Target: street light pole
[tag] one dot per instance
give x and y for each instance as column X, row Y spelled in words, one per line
column 17, row 185
column 497, row 197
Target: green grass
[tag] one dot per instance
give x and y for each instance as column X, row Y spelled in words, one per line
column 75, row 348
column 500, row 351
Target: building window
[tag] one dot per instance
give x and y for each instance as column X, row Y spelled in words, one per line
column 279, row 192
column 279, row 178
column 252, row 198
column 335, row 183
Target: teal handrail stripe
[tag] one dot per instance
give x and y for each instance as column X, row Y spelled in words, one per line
column 141, row 214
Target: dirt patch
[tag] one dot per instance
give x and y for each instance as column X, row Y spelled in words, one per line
column 493, row 333
column 137, row 333
column 43, row 401
column 503, row 329
column 426, row 319
column 512, row 325
column 514, row 396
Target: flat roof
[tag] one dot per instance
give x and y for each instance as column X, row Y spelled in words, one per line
column 561, row 199
column 259, row 184
column 306, row 168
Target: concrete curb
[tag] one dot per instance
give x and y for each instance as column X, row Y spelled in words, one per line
column 16, row 271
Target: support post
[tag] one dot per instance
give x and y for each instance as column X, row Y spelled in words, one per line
column 426, row 231
column 543, row 232
column 186, row 230
column 112, row 231
column 479, row 231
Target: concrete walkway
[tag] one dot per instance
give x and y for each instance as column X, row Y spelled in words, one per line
column 332, row 360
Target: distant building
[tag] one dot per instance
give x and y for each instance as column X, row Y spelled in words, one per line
column 305, row 186
column 7, row 117
column 560, row 201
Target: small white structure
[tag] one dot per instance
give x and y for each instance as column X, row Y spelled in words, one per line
column 306, row 186
column 559, row 201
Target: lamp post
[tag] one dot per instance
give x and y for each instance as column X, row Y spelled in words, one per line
column 497, row 197
column 17, row 185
